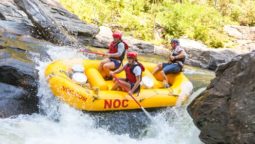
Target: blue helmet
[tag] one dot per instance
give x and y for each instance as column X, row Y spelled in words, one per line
column 175, row 41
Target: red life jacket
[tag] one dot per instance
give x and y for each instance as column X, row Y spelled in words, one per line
column 130, row 76
column 113, row 48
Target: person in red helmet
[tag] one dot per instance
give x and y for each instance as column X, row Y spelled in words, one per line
column 133, row 70
column 115, row 55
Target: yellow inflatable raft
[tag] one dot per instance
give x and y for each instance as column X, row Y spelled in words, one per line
column 96, row 94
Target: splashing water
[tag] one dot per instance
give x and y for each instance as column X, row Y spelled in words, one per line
column 57, row 123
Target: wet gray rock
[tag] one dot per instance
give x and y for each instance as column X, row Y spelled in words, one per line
column 209, row 59
column 161, row 50
column 15, row 100
column 142, row 46
column 18, row 83
column 10, row 12
column 103, row 38
column 218, row 58
column 18, row 73
column 71, row 23
column 240, row 32
column 45, row 19
column 242, row 36
column 224, row 112
column 13, row 20
column 16, row 28
column 201, row 56
column 45, row 24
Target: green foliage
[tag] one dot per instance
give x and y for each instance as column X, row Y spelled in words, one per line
column 196, row 19
column 247, row 16
column 241, row 11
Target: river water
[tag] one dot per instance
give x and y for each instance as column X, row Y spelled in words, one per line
column 57, row 123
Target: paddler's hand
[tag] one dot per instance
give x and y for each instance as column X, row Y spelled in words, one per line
column 166, row 85
column 112, row 73
column 130, row 92
column 171, row 58
column 106, row 55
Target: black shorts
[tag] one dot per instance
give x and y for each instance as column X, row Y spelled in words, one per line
column 137, row 89
column 117, row 63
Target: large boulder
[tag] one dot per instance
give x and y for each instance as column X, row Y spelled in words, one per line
column 103, row 38
column 15, row 100
column 224, row 112
column 10, row 12
column 240, row 32
column 18, row 73
column 18, row 83
column 201, row 56
column 13, row 20
column 242, row 36
column 45, row 19
column 161, row 50
column 55, row 24
column 22, row 22
column 71, row 23
column 16, row 28
column 45, row 24
column 140, row 45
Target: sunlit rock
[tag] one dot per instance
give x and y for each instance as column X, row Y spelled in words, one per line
column 224, row 112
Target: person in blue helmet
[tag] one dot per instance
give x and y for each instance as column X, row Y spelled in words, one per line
column 175, row 61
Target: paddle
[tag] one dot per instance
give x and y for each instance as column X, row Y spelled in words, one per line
column 118, row 80
column 147, row 114
column 91, row 52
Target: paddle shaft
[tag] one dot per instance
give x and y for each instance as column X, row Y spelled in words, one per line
column 118, row 80
column 90, row 52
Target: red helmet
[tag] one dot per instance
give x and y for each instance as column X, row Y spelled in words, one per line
column 132, row 55
column 117, row 35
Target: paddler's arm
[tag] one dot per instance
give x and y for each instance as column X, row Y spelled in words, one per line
column 137, row 83
column 170, row 58
column 179, row 56
column 120, row 69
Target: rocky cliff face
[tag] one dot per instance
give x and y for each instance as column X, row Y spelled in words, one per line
column 224, row 112
column 45, row 19
column 18, row 84
column 243, row 36
column 18, row 76
column 22, row 23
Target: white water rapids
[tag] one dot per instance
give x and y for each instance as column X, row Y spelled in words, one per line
column 57, row 123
